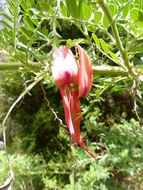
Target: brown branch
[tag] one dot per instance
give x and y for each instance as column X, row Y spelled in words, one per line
column 48, row 104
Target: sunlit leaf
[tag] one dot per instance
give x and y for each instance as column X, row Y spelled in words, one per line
column 6, row 16
column 137, row 16
column 112, row 9
column 87, row 10
column 28, row 23
column 97, row 17
column 25, row 32
column 24, row 5
column 133, row 30
column 125, row 10
column 30, row 3
column 105, row 22
column 114, row 56
column 34, row 19
column 104, row 46
column 63, row 9
column 96, row 40
column 80, row 9
column 72, row 7
column 45, row 7
column 5, row 24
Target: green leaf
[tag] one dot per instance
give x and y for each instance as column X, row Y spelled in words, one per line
column 6, row 17
column 122, row 1
column 6, row 25
column 34, row 11
column 133, row 30
column 137, row 16
column 8, row 34
column 80, row 9
column 105, row 22
column 45, row 30
column 97, row 17
column 34, row 19
column 125, row 10
column 28, row 23
column 114, row 56
column 104, row 46
column 32, row 14
column 87, row 10
column 25, row 32
column 24, row 5
column 112, row 9
column 23, row 39
column 137, row 48
column 10, row 7
column 96, row 40
column 30, row 3
column 140, row 32
column 46, row 7
column 63, row 9
column 72, row 7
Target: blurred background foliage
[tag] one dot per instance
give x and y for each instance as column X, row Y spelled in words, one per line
column 40, row 148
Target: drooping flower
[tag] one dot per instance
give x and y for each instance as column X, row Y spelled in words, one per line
column 67, row 72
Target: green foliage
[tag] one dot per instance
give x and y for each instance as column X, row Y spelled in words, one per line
column 40, row 148
column 27, row 170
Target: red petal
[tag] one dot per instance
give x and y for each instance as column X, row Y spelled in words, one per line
column 85, row 73
column 77, row 117
column 66, row 103
column 65, row 66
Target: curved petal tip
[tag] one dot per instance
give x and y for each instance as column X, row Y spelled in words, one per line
column 85, row 73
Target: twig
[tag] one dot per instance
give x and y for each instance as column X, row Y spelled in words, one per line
column 135, row 102
column 7, row 185
column 48, row 104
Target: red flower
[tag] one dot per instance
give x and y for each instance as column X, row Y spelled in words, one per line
column 66, row 71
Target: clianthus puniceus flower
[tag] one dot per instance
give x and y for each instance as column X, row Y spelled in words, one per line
column 74, row 81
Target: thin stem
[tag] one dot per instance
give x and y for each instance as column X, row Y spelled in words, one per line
column 15, row 22
column 20, row 97
column 102, row 70
column 14, row 31
column 134, row 40
column 31, row 39
column 117, row 62
column 17, row 65
column 106, row 70
column 117, row 37
column 108, row 34
column 49, row 106
column 127, row 41
column 54, row 33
